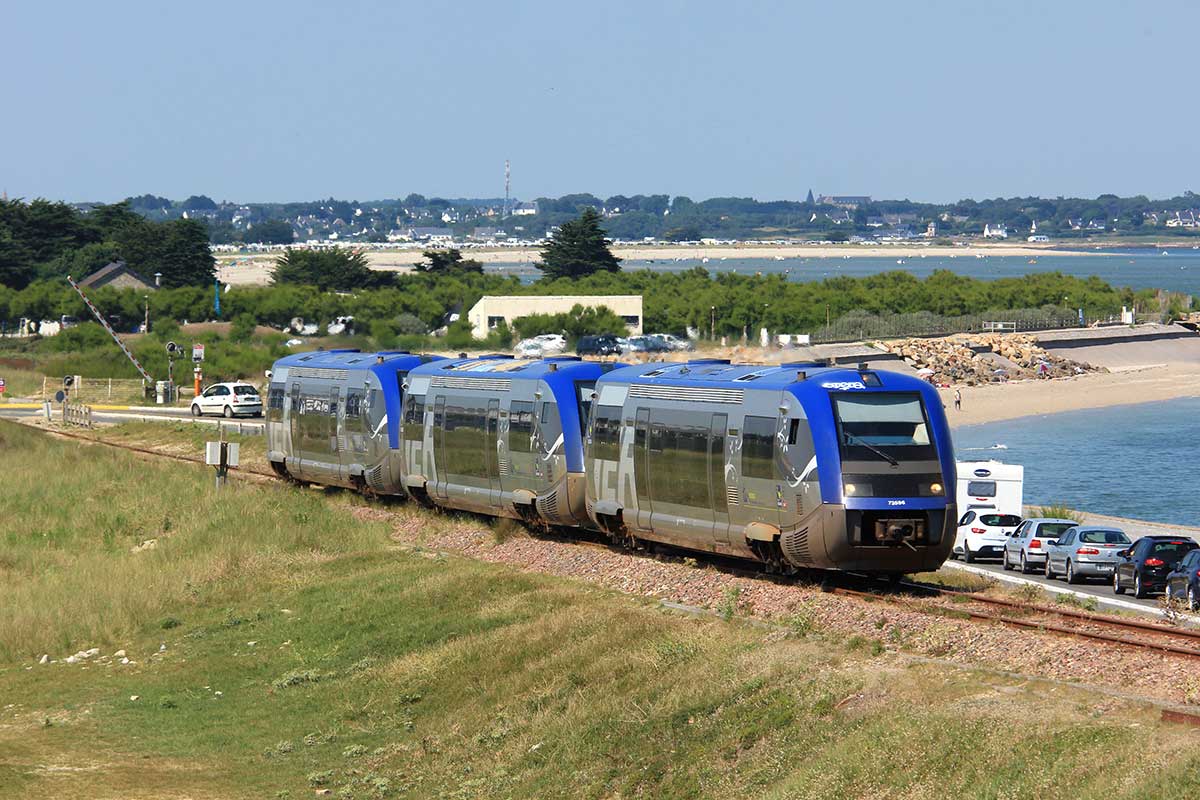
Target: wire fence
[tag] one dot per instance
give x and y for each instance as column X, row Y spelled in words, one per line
column 97, row 390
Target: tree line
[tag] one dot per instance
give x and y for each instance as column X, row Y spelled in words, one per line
column 724, row 304
column 42, row 240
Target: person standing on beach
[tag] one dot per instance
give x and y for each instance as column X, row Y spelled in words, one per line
column 958, row 399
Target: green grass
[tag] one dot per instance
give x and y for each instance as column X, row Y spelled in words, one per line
column 20, row 384
column 380, row 672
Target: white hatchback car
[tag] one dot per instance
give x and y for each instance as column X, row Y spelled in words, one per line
column 229, row 399
column 982, row 533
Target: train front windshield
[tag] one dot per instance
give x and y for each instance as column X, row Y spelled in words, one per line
column 886, row 446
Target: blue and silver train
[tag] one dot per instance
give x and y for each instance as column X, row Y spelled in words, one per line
column 793, row 466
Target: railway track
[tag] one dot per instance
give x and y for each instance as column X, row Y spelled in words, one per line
column 1145, row 635
column 1148, row 635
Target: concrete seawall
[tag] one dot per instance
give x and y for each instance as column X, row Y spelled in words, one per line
column 1125, row 347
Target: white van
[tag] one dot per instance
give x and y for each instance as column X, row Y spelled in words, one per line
column 990, row 497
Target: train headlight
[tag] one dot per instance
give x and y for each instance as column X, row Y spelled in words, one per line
column 935, row 488
column 849, row 489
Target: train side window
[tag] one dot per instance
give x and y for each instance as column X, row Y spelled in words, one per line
column 414, row 418
column 758, row 447
column 606, row 433
column 520, row 426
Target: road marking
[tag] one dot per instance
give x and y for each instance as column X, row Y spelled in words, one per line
column 1049, row 587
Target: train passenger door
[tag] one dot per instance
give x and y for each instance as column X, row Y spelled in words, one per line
column 336, row 433
column 492, row 454
column 295, row 462
column 641, row 461
column 439, row 447
column 719, row 502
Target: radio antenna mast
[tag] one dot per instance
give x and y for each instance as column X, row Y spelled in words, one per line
column 507, row 202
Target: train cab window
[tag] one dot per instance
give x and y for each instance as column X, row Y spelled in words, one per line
column 520, row 426
column 549, row 411
column 758, row 447
column 893, row 423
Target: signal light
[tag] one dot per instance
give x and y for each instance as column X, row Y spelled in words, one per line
column 1154, row 562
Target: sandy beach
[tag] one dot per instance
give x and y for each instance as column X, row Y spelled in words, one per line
column 252, row 269
column 1033, row 397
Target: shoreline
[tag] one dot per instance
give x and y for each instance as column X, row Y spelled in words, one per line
column 1034, row 398
column 256, row 268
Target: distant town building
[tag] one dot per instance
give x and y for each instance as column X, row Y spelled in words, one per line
column 809, row 199
column 1038, row 237
column 117, row 275
column 430, row 234
column 491, row 310
column 931, row 229
column 485, row 234
column 524, row 209
column 847, row 201
column 995, row 232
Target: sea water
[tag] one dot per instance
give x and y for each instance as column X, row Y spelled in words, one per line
column 1136, row 461
column 1178, row 271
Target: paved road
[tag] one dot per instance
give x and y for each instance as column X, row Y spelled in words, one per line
column 117, row 414
column 1094, row 587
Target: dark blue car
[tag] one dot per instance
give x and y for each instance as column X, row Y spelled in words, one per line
column 1184, row 582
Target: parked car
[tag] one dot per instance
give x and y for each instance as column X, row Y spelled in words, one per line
column 529, row 348
column 1184, row 582
column 1085, row 551
column 1144, row 567
column 673, row 342
column 1026, row 548
column 552, row 342
column 646, row 344
column 603, row 345
column 230, row 399
column 982, row 534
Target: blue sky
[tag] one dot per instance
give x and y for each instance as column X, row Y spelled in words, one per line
column 935, row 101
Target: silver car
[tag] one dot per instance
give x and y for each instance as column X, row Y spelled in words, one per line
column 1027, row 547
column 1086, row 551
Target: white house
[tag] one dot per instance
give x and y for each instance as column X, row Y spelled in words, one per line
column 524, row 209
column 490, row 311
column 995, row 232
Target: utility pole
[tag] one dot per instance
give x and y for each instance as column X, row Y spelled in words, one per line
column 507, row 196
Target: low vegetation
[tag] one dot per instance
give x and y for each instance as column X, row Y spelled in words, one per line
column 279, row 644
column 1058, row 511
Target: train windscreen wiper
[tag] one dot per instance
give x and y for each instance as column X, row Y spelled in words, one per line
column 862, row 443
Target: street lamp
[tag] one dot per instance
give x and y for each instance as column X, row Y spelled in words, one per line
column 712, row 322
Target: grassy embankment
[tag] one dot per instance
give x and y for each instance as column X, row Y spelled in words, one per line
column 303, row 651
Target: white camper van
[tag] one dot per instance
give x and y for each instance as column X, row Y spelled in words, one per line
column 990, row 501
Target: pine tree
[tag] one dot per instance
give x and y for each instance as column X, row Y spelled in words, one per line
column 578, row 248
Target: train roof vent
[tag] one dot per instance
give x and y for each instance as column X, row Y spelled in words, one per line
column 707, row 361
column 801, row 364
column 393, row 353
column 752, row 376
column 496, row 355
column 654, row 373
column 562, row 358
column 694, row 394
